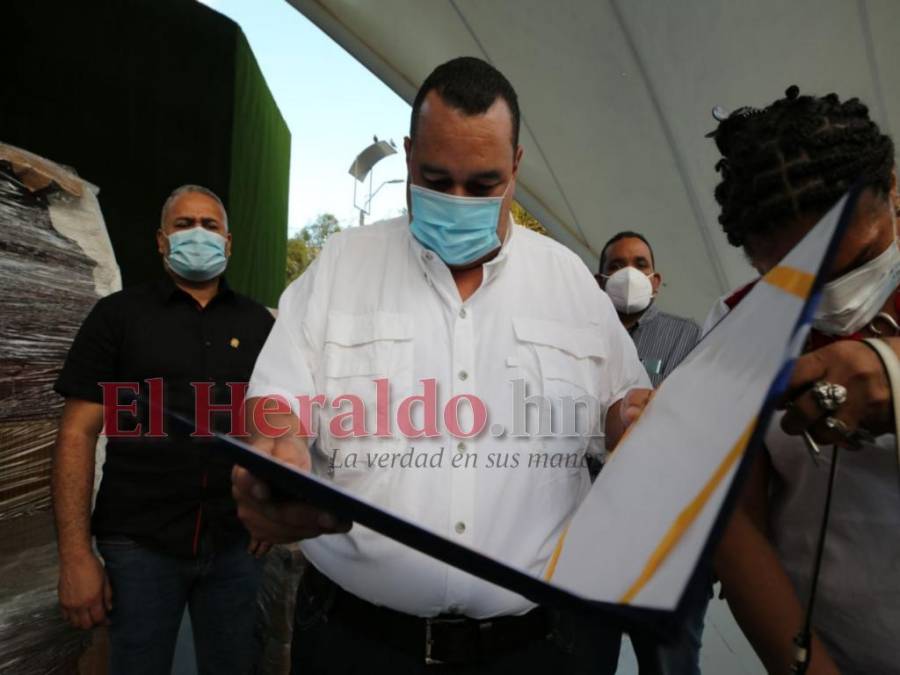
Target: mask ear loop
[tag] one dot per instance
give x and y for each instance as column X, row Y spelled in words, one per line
column 895, row 211
column 893, row 328
column 510, row 221
column 655, row 290
column 884, row 317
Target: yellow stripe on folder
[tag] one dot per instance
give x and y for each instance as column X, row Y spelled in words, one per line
column 686, row 518
column 551, row 567
column 790, row 280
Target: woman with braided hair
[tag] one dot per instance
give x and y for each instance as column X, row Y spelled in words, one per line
column 782, row 168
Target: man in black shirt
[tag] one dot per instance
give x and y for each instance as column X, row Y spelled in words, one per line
column 165, row 522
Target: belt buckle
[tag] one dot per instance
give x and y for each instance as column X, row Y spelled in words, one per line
column 429, row 637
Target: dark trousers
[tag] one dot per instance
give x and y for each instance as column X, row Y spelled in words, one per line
column 325, row 643
column 681, row 655
column 150, row 593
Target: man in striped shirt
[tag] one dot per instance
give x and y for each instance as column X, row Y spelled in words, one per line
column 628, row 275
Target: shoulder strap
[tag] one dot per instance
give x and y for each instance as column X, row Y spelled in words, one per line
column 892, row 367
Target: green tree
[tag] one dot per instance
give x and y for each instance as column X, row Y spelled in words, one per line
column 304, row 246
column 299, row 256
column 522, row 217
column 319, row 230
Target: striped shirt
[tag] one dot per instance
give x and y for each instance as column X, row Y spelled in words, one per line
column 662, row 341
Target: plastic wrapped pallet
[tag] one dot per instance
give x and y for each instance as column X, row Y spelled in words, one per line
column 56, row 260
column 33, row 637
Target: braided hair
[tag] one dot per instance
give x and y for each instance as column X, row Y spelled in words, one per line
column 797, row 156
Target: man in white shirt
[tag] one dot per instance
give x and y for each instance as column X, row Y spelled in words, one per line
column 451, row 304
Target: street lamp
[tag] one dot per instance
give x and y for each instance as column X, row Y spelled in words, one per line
column 363, row 212
column 362, row 167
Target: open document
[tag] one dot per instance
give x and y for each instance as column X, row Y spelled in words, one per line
column 656, row 508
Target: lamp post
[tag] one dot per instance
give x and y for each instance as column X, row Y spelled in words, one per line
column 362, row 167
column 363, row 212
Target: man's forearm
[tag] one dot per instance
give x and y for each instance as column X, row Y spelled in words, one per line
column 72, row 486
column 623, row 413
column 614, row 426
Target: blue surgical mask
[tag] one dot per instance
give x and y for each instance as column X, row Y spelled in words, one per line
column 196, row 254
column 459, row 229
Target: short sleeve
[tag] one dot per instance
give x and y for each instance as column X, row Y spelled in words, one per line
column 93, row 356
column 624, row 369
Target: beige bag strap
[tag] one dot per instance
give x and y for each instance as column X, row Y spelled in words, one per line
column 892, row 367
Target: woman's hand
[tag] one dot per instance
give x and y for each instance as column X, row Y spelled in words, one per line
column 853, row 365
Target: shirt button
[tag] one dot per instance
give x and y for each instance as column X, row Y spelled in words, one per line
column 462, row 313
column 428, row 255
column 463, row 375
column 208, row 343
column 460, row 527
column 461, row 448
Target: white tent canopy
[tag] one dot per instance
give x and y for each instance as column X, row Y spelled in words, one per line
column 616, row 99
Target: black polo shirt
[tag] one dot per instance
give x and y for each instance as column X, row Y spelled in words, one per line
column 166, row 492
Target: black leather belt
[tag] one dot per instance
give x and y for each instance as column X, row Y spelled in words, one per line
column 444, row 639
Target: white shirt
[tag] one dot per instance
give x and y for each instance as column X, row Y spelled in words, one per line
column 376, row 304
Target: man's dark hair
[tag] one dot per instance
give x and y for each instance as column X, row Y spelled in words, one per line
column 470, row 85
column 797, row 156
column 626, row 234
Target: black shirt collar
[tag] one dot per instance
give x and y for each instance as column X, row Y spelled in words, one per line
column 168, row 290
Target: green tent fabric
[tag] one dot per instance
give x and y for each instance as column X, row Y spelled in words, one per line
column 259, row 183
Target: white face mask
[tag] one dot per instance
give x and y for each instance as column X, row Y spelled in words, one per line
column 849, row 303
column 630, row 290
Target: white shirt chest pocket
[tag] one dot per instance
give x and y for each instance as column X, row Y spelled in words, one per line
column 361, row 348
column 561, row 364
column 558, row 358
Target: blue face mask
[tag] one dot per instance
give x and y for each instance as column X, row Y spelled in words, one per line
column 196, row 254
column 459, row 229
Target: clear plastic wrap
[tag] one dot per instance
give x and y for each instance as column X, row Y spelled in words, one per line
column 46, row 289
column 55, row 261
column 34, row 639
column 275, row 609
column 25, row 449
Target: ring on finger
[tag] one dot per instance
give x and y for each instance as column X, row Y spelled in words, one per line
column 839, row 426
column 854, row 439
column 829, row 396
